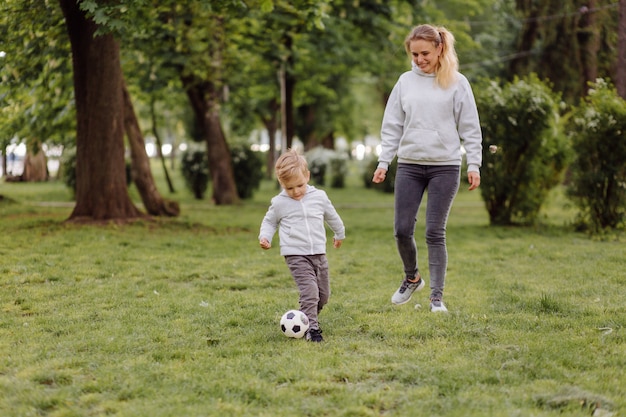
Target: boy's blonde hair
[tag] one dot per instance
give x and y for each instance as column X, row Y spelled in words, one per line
column 448, row 65
column 289, row 164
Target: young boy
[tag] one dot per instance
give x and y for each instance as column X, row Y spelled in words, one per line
column 299, row 213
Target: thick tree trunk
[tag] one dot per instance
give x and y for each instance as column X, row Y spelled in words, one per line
column 204, row 98
column 520, row 64
column 140, row 165
column 35, row 167
column 101, row 191
column 620, row 76
column 589, row 40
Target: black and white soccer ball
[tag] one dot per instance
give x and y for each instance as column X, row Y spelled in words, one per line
column 294, row 324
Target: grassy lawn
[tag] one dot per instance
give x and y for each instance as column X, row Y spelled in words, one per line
column 179, row 317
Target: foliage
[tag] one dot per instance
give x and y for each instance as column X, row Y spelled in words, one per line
column 179, row 317
column 598, row 173
column 325, row 163
column 247, row 166
column 524, row 153
column 566, row 42
column 36, row 92
column 195, row 169
column 248, row 169
column 68, row 168
column 339, row 171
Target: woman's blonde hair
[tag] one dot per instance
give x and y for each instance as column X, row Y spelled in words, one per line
column 448, row 65
column 289, row 164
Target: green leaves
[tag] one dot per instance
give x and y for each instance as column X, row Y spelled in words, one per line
column 598, row 185
column 520, row 119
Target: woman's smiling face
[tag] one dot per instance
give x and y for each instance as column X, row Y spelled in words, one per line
column 425, row 55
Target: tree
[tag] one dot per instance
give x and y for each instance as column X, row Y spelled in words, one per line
column 36, row 97
column 566, row 43
column 620, row 77
column 101, row 192
column 140, row 167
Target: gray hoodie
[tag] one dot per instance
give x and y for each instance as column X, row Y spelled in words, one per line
column 301, row 222
column 426, row 124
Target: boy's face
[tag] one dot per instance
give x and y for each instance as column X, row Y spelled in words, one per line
column 295, row 187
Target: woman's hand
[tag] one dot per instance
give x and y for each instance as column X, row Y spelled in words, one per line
column 474, row 180
column 379, row 175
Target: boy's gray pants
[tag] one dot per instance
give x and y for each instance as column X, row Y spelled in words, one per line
column 310, row 272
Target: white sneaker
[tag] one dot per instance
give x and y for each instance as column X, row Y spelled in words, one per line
column 436, row 305
column 406, row 290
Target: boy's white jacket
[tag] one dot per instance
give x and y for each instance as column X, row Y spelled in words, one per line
column 426, row 124
column 300, row 223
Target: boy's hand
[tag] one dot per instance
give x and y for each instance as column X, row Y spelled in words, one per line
column 337, row 243
column 265, row 244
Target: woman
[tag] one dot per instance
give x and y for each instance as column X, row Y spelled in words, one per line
column 430, row 116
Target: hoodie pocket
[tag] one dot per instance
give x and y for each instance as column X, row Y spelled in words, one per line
column 424, row 145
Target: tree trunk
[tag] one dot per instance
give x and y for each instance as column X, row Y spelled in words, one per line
column 520, row 64
column 271, row 125
column 35, row 167
column 101, row 191
column 290, row 88
column 307, row 115
column 140, row 165
column 589, row 41
column 4, row 163
column 204, row 98
column 157, row 139
column 620, row 76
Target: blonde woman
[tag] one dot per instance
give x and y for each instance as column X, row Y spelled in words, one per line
column 430, row 115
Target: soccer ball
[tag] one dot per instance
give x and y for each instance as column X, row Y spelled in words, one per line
column 294, row 324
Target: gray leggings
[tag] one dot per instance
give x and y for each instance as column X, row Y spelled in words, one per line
column 310, row 272
column 442, row 183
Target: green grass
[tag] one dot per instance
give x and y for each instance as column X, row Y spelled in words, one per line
column 179, row 317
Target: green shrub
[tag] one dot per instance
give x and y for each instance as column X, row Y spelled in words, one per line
column 338, row 171
column 597, row 128
column 248, row 170
column 524, row 152
column 324, row 161
column 318, row 158
column 195, row 170
column 68, row 168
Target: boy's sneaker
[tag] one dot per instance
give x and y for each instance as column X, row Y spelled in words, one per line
column 436, row 305
column 314, row 335
column 406, row 290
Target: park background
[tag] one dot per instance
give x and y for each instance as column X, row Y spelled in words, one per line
column 132, row 282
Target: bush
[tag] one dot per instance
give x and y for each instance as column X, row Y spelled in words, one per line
column 338, row 171
column 598, row 174
column 68, row 168
column 195, row 170
column 248, row 170
column 524, row 153
column 322, row 161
